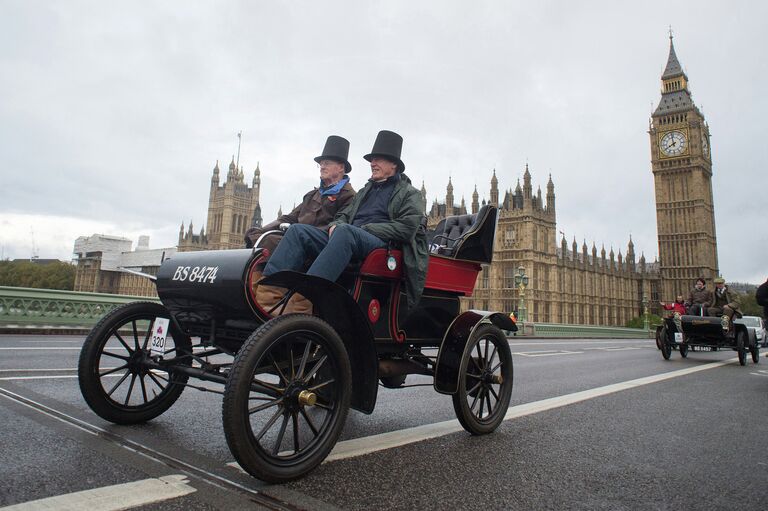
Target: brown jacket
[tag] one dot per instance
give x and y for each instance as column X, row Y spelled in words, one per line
column 702, row 296
column 728, row 298
column 315, row 209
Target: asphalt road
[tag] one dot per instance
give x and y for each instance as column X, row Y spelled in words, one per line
column 594, row 424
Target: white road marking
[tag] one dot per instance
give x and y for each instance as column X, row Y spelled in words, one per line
column 549, row 353
column 578, row 341
column 366, row 445
column 113, row 498
column 50, row 348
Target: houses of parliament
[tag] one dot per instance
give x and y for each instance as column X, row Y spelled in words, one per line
column 567, row 283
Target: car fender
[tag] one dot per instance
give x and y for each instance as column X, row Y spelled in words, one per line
column 451, row 352
column 334, row 305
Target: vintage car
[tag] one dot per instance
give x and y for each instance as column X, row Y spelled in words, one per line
column 705, row 333
column 289, row 380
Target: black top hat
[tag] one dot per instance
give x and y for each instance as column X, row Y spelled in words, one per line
column 388, row 145
column 337, row 149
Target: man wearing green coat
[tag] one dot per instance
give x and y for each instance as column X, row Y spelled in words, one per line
column 725, row 303
column 387, row 209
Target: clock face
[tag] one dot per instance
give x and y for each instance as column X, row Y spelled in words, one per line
column 704, row 144
column 673, row 143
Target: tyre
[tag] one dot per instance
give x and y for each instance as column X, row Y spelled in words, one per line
column 661, row 333
column 666, row 349
column 485, row 381
column 754, row 350
column 741, row 346
column 119, row 378
column 683, row 350
column 287, row 397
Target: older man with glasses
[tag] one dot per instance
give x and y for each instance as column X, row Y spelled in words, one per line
column 317, row 209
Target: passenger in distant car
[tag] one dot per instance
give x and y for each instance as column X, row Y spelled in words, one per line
column 699, row 299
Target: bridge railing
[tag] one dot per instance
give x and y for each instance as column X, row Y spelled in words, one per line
column 22, row 308
column 54, row 309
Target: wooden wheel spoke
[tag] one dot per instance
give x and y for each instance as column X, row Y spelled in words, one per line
column 143, row 389
column 474, row 376
column 130, row 390
column 321, row 385
column 259, row 408
column 473, row 389
column 474, row 402
column 122, row 341
column 120, row 382
column 496, row 366
column 494, row 393
column 295, row 419
column 309, row 421
column 304, row 358
column 269, row 423
column 116, row 369
column 115, row 355
column 135, row 335
column 488, row 361
column 160, row 385
column 474, row 363
column 149, row 332
column 316, row 367
column 482, row 402
column 266, row 388
column 277, row 367
column 280, row 435
column 488, row 400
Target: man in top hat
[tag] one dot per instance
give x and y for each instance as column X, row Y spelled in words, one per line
column 318, row 207
column 725, row 303
column 388, row 209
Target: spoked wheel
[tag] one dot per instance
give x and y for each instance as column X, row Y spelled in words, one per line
column 287, row 397
column 741, row 347
column 666, row 348
column 683, row 350
column 661, row 333
column 119, row 378
column 485, row 381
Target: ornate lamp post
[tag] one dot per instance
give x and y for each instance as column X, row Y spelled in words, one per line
column 645, row 312
column 521, row 281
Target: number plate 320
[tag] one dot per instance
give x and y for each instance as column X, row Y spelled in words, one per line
column 159, row 335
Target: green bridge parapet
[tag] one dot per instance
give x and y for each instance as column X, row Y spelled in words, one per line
column 22, row 307
column 584, row 331
column 26, row 308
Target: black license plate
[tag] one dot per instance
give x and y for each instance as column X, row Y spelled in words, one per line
column 701, row 348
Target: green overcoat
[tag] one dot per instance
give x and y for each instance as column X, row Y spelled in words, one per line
column 404, row 228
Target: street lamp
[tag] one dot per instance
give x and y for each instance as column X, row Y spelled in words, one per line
column 521, row 280
column 645, row 312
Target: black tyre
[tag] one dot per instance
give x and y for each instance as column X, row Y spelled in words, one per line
column 661, row 333
column 741, row 347
column 119, row 379
column 485, row 381
column 666, row 348
column 754, row 350
column 683, row 350
column 287, row 397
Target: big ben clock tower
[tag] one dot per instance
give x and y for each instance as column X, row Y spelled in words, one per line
column 682, row 172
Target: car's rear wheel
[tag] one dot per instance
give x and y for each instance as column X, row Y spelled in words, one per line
column 754, row 350
column 741, row 347
column 666, row 348
column 485, row 381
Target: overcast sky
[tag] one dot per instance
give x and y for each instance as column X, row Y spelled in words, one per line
column 113, row 114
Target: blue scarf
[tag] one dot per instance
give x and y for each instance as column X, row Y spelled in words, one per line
column 334, row 189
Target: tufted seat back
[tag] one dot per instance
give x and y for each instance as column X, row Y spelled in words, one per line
column 468, row 237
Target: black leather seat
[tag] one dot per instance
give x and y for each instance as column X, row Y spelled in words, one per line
column 466, row 237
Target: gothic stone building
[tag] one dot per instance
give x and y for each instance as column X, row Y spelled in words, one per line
column 565, row 285
column 682, row 173
column 233, row 207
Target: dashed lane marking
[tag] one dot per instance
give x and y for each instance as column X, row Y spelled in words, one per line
column 366, row 445
column 113, row 498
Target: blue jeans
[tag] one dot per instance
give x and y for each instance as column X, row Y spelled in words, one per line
column 331, row 256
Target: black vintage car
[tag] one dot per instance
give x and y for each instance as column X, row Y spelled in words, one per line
column 288, row 381
column 686, row 333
